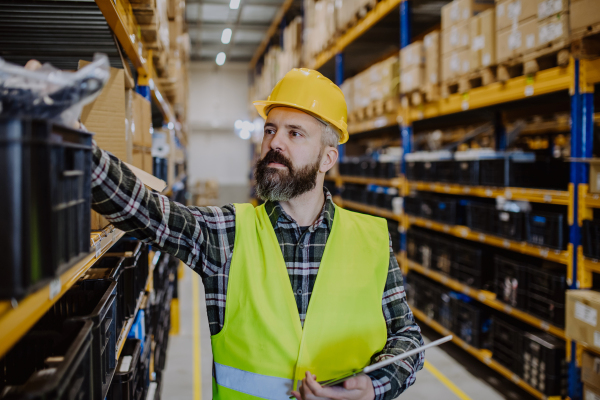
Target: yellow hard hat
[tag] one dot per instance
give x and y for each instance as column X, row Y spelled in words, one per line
column 311, row 92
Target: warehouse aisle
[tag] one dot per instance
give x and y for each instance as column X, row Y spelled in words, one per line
column 449, row 374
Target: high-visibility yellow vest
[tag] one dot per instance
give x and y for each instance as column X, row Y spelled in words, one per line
column 263, row 350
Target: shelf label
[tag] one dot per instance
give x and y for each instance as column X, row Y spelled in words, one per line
column 506, row 243
column 98, row 248
column 447, row 188
column 507, row 309
column 481, row 297
column 544, row 325
column 464, row 105
column 444, row 279
column 446, row 228
column 596, row 338
column 544, row 253
column 428, row 224
column 464, row 346
column 464, row 233
column 488, row 193
column 465, row 290
column 585, row 313
column 54, row 287
column 528, row 90
column 487, row 360
column 508, row 194
column 481, row 237
column 515, row 378
column 420, row 115
column 547, row 198
column 467, row 189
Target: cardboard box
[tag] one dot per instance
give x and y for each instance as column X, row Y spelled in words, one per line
column 98, row 221
column 148, row 162
column 595, row 176
column 548, row 8
column 412, row 79
column 512, row 42
column 583, row 14
column 512, row 12
column 483, row 39
column 461, row 10
column 142, row 119
column 412, row 55
column 582, row 309
column 590, row 393
column 590, row 369
column 431, row 43
column 138, row 158
column 553, row 29
column 456, row 64
column 456, row 38
column 106, row 116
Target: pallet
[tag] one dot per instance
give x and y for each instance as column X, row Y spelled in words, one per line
column 585, row 43
column 555, row 54
column 464, row 83
column 365, row 8
column 428, row 93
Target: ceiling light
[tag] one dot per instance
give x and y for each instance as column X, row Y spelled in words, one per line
column 234, row 4
column 249, row 126
column 244, row 134
column 226, row 36
column 221, row 58
column 239, row 124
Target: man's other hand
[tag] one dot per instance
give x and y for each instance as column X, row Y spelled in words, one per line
column 357, row 388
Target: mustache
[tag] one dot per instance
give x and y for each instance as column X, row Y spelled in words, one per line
column 275, row 157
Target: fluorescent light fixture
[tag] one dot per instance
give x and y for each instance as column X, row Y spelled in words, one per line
column 220, row 58
column 248, row 126
column 234, row 4
column 226, row 36
column 244, row 134
column 239, row 124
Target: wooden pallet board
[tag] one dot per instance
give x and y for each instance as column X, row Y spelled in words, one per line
column 474, row 79
column 555, row 54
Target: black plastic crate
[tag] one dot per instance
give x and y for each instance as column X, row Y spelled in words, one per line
column 544, row 366
column 481, row 217
column 412, row 206
column 591, row 238
column 94, row 300
column 547, row 310
column 113, row 268
column 135, row 254
column 45, row 204
column 492, row 172
column 126, row 377
column 144, row 367
column 510, row 225
column 445, row 210
column 469, row 266
column 543, row 173
column 420, row 248
column 507, row 345
column 414, row 171
column 511, row 282
column 443, row 254
column 467, row 172
column 548, row 283
column 50, row 362
column 387, row 170
column 472, row 324
column 445, row 171
column 547, row 229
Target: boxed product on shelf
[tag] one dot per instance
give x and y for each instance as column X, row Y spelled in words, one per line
column 553, row 29
column 517, row 39
column 510, row 282
column 412, row 67
column 456, row 63
column 544, row 366
column 52, row 361
column 483, row 39
column 45, row 202
column 582, row 308
column 512, row 12
column 590, row 374
column 583, row 15
column 590, row 392
column 127, row 375
column 93, row 300
column 457, row 38
column 507, row 344
column 461, row 10
column 591, row 238
column 433, row 58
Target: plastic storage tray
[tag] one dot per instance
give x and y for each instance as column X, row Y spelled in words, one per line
column 135, row 254
column 469, row 267
column 471, row 323
column 544, row 366
column 547, row 229
column 94, row 300
column 443, row 255
column 511, row 282
column 548, row 283
column 125, row 382
column 547, row 310
column 44, row 202
column 481, row 217
column 52, row 361
column 507, row 345
column 591, row 239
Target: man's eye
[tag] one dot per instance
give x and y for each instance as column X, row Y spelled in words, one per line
column 269, row 131
column 295, row 134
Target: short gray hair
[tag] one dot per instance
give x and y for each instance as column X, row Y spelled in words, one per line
column 330, row 135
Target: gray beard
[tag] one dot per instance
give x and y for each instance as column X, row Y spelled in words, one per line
column 279, row 185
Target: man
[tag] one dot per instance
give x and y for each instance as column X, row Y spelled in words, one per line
column 296, row 289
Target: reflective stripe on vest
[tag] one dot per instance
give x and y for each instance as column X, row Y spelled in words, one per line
column 263, row 386
column 262, row 334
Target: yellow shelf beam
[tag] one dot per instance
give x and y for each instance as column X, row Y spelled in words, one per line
column 592, row 200
column 487, row 298
column 382, row 9
column 533, row 195
column 384, row 121
column 365, row 180
column 17, row 318
column 560, row 256
column 485, row 356
column 380, row 212
column 121, row 21
column 543, row 82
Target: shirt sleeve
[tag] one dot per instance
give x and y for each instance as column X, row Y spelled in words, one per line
column 202, row 237
column 403, row 334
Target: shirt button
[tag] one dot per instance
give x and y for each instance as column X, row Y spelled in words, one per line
column 299, row 291
column 301, row 245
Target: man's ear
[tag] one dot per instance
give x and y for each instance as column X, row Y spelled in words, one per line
column 329, row 159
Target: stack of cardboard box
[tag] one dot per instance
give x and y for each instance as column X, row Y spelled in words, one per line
column 590, row 375
column 412, row 67
column 483, row 40
column 584, row 16
column 433, row 62
column 456, row 35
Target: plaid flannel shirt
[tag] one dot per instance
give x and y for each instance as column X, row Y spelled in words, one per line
column 203, row 238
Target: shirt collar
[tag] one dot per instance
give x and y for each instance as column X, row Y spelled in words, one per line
column 277, row 214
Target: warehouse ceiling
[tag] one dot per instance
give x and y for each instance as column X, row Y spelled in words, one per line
column 249, row 23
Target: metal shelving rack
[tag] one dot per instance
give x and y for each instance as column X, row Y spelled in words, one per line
column 577, row 80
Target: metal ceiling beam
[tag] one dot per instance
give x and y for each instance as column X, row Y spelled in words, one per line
column 223, row 25
column 248, row 2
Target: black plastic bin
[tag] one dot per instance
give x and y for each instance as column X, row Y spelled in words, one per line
column 547, row 229
column 549, row 283
column 481, row 217
column 467, row 172
column 50, row 362
column 94, row 300
column 443, row 255
column 471, row 323
column 511, row 282
column 544, row 366
column 547, row 310
column 125, row 381
column 45, row 191
column 469, row 266
column 591, row 238
column 492, row 172
column 510, row 225
column 507, row 345
column 144, row 367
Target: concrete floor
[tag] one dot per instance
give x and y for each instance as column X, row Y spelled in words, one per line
column 466, row 378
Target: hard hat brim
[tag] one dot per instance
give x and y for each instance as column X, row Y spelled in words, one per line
column 263, row 106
